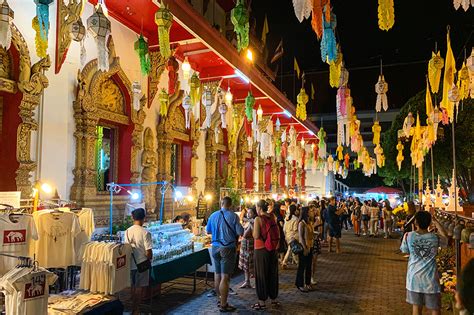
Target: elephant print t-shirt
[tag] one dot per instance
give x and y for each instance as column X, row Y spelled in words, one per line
column 16, row 234
column 422, row 274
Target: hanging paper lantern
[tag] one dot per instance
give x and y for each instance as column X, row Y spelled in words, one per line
column 42, row 13
column 228, row 97
column 335, row 70
column 301, row 101
column 164, row 19
column 302, row 9
column 186, row 67
column 277, row 124
column 141, row 48
column 454, row 97
column 435, row 65
column 463, row 82
column 137, row 90
column 195, row 87
column 99, row 27
column 386, row 14
column 240, row 18
column 6, row 20
column 172, row 66
column 164, row 102
column 78, row 34
column 223, row 111
column 207, row 96
column 187, row 105
column 322, row 143
column 328, row 42
column 259, row 113
column 376, row 129
column 317, row 19
column 249, row 103
column 339, row 151
column 344, row 76
column 381, row 88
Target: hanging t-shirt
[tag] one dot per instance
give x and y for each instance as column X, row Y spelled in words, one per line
column 86, row 221
column 15, row 238
column 55, row 247
column 120, row 268
column 27, row 291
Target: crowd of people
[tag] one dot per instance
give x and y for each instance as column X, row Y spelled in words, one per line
column 273, row 234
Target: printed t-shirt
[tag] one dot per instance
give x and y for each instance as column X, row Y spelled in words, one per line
column 15, row 239
column 55, row 247
column 422, row 274
column 120, row 268
column 140, row 239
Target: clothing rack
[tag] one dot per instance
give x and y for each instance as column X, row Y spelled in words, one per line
column 107, row 238
column 23, row 261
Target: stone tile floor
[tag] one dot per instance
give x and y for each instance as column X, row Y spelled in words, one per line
column 367, row 278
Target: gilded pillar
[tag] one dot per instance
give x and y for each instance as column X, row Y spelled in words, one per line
column 289, row 174
column 210, row 183
column 261, row 174
column 275, row 175
column 299, row 174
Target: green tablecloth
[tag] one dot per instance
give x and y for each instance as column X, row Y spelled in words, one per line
column 180, row 267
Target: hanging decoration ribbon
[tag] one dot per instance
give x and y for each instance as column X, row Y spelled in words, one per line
column 249, row 103
column 302, row 9
column 223, row 111
column 435, row 65
column 381, row 88
column 187, row 105
column 137, row 91
column 99, row 27
column 376, row 129
column 172, row 66
column 78, row 34
column 448, row 80
column 141, row 48
column 386, row 14
column 6, row 20
column 164, row 102
column 164, row 19
column 240, row 18
column 301, row 100
column 328, row 42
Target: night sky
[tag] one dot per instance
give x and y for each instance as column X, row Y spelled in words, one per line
column 407, row 47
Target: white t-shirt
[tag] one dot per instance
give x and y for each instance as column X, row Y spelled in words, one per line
column 140, row 239
column 57, row 231
column 27, row 291
column 86, row 221
column 120, row 268
column 15, row 238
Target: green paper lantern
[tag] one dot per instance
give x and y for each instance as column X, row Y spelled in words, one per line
column 240, row 18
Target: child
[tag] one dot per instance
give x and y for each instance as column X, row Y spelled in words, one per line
column 422, row 275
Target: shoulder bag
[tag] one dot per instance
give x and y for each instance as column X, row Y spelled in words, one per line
column 143, row 266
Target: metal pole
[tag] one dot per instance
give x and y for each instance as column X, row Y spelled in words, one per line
column 111, row 190
column 163, row 191
column 457, row 242
column 432, row 169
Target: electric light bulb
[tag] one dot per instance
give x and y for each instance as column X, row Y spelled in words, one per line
column 250, row 55
column 190, row 198
column 45, row 187
column 208, row 197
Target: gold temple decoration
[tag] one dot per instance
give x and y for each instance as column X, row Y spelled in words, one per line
column 149, row 169
column 67, row 15
column 89, row 108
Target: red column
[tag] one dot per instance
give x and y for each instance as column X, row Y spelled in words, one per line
column 293, row 175
column 268, row 176
column 249, row 173
column 282, row 176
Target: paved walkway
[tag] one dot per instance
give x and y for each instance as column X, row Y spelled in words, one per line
column 367, row 278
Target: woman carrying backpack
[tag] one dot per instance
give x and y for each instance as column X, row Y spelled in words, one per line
column 305, row 259
column 267, row 237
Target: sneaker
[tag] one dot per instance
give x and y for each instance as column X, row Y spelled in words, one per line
column 212, row 293
column 232, row 292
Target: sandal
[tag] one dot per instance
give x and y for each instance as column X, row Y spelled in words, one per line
column 276, row 304
column 259, row 307
column 227, row 308
column 246, row 285
column 304, row 290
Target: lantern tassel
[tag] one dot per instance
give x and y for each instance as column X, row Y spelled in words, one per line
column 103, row 58
column 164, row 42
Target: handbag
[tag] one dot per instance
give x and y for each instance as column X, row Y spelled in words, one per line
column 143, row 266
column 296, row 247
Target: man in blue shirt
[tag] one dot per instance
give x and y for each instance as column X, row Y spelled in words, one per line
column 225, row 227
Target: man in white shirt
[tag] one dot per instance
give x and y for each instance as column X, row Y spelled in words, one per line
column 140, row 239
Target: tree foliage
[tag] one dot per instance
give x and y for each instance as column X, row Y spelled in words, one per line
column 442, row 150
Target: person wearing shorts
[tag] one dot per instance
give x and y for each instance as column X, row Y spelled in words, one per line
column 225, row 228
column 422, row 282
